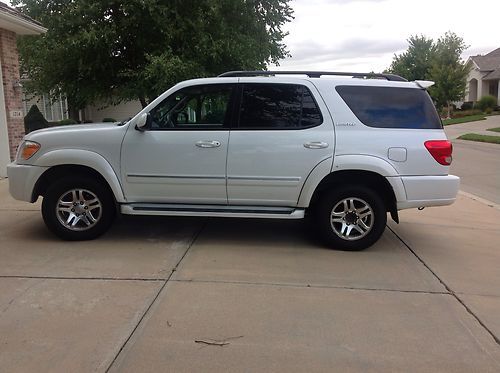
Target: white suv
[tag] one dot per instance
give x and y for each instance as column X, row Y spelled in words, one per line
column 345, row 149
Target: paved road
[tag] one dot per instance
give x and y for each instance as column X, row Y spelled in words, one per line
column 424, row 298
column 477, row 164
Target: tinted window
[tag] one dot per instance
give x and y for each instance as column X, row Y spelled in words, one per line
column 389, row 107
column 278, row 106
column 197, row 107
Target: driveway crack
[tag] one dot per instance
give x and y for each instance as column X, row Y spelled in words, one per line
column 20, row 295
column 311, row 286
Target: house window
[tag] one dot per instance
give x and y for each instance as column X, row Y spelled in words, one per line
column 52, row 110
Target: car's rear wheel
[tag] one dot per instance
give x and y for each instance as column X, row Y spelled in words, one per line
column 78, row 208
column 351, row 218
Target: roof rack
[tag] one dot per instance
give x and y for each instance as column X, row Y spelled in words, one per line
column 313, row 74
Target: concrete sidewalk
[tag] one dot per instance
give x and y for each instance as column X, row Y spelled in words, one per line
column 424, row 298
column 481, row 127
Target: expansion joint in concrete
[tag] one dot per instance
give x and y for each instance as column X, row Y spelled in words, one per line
column 157, row 295
column 448, row 289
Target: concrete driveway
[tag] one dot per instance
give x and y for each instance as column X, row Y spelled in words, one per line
column 256, row 295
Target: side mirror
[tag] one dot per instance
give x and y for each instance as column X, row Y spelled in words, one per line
column 143, row 122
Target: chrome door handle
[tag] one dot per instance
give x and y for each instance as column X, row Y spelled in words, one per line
column 207, row 144
column 316, row 145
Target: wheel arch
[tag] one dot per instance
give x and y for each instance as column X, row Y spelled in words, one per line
column 370, row 179
column 62, row 163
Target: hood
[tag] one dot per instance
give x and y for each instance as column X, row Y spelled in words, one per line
column 81, row 136
column 72, row 128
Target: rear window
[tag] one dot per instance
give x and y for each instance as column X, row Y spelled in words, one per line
column 389, row 107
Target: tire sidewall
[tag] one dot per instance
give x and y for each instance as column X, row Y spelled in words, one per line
column 61, row 186
column 331, row 198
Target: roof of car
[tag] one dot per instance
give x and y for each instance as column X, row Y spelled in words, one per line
column 314, row 74
column 290, row 79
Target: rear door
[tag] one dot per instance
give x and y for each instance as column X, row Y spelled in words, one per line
column 284, row 130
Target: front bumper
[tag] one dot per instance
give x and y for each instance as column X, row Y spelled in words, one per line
column 425, row 191
column 22, row 180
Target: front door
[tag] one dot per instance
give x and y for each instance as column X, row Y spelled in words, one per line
column 181, row 156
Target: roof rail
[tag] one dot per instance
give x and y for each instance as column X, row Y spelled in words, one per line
column 313, row 74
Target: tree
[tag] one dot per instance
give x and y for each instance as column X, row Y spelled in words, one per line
column 110, row 50
column 416, row 62
column 449, row 71
column 438, row 61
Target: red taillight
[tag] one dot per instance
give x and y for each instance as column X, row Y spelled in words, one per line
column 441, row 150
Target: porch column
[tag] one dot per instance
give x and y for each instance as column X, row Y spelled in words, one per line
column 11, row 89
column 4, row 132
column 498, row 92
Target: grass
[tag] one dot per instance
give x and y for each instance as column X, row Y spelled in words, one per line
column 481, row 138
column 470, row 118
column 496, row 129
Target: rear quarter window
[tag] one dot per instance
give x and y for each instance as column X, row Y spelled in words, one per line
column 391, row 107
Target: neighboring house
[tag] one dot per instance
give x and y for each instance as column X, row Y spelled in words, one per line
column 12, row 23
column 124, row 110
column 57, row 110
column 484, row 77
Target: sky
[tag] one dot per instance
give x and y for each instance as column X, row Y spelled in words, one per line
column 364, row 35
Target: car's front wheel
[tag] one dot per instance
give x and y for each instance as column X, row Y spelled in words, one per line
column 351, row 218
column 78, row 208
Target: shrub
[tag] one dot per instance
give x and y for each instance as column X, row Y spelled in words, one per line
column 465, row 113
column 65, row 122
column 468, row 105
column 109, row 120
column 486, row 102
column 488, row 110
column 34, row 120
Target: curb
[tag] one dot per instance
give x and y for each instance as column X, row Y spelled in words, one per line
column 479, row 199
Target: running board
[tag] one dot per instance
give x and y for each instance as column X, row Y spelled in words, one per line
column 163, row 209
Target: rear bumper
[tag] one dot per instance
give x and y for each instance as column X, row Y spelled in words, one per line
column 22, row 180
column 425, row 191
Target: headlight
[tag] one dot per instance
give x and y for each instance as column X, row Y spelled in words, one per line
column 27, row 150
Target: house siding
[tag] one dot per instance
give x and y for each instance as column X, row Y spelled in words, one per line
column 124, row 110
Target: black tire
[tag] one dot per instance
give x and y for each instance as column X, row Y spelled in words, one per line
column 376, row 218
column 106, row 212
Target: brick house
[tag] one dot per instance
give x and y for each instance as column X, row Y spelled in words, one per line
column 12, row 23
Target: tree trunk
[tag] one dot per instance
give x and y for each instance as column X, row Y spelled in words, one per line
column 448, row 103
column 143, row 101
column 73, row 112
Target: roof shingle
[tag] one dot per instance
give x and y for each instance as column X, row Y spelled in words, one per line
column 4, row 8
column 488, row 62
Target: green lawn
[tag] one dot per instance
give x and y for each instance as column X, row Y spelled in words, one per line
column 481, row 138
column 496, row 129
column 470, row 118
